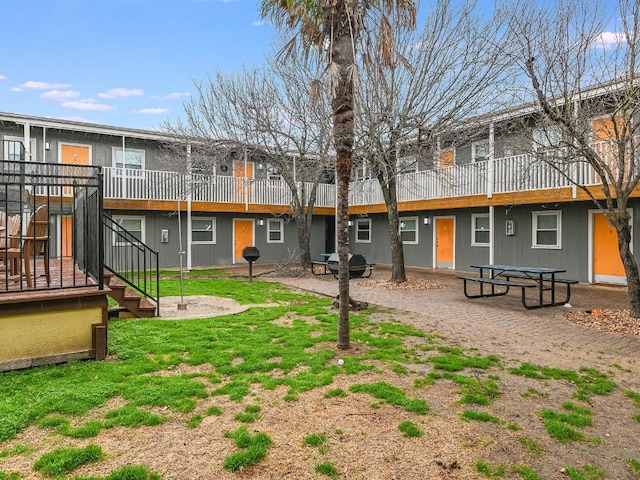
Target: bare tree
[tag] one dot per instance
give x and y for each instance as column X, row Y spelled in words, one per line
column 584, row 80
column 268, row 115
column 450, row 71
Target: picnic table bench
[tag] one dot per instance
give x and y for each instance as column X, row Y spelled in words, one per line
column 542, row 278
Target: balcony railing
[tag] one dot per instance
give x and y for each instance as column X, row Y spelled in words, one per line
column 503, row 175
column 163, row 185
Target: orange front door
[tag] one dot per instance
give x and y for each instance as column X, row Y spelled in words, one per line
column 75, row 155
column 66, row 232
column 242, row 237
column 447, row 158
column 607, row 265
column 444, row 242
column 242, row 172
column 70, row 155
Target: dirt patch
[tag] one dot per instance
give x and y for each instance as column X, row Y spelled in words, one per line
column 198, row 306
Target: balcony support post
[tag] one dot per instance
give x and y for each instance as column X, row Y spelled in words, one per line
column 490, row 165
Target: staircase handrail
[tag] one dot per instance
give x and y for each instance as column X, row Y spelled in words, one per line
column 137, row 266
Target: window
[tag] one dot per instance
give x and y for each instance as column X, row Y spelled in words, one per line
column 133, row 225
column 360, row 170
column 480, row 151
column 133, row 159
column 480, row 229
column 546, row 229
column 363, row 230
column 273, row 173
column 546, row 138
column 13, row 149
column 203, row 230
column 275, row 230
column 409, row 230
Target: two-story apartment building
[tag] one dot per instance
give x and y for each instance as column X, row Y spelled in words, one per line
column 488, row 198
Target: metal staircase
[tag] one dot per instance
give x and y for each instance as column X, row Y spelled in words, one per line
column 131, row 272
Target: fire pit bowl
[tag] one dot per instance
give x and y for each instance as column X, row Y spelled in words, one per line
column 357, row 265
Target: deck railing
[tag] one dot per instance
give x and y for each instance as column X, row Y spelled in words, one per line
column 501, row 175
column 56, row 237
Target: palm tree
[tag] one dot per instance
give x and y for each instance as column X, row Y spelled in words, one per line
column 334, row 28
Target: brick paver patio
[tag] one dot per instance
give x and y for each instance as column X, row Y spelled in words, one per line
column 500, row 324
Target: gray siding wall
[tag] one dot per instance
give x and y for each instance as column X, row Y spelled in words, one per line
column 221, row 252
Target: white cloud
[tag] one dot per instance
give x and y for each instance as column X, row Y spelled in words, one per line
column 88, row 105
column 60, row 95
column 258, row 23
column 171, row 96
column 611, row 39
column 3, row 77
column 152, row 111
column 116, row 93
column 32, row 85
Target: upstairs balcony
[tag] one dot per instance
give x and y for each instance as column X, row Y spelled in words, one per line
column 520, row 173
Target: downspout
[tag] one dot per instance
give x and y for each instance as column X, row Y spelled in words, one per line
column 189, row 198
column 492, row 230
column 44, row 144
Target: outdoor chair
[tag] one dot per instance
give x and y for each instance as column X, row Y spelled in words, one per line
column 35, row 242
column 9, row 244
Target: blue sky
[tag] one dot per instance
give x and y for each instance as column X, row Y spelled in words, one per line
column 128, row 63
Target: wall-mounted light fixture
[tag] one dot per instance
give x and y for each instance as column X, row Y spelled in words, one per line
column 350, row 223
column 47, row 146
column 261, row 222
column 260, row 166
column 427, row 221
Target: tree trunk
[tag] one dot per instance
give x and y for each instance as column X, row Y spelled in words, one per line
column 630, row 266
column 302, row 228
column 343, row 132
column 386, row 175
column 398, row 273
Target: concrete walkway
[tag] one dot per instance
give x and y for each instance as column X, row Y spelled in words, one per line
column 498, row 325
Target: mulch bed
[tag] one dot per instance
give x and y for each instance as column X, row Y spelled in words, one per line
column 609, row 320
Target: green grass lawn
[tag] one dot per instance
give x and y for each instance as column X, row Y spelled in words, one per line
column 246, row 351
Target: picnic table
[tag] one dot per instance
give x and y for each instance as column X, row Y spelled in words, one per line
column 321, row 265
column 499, row 279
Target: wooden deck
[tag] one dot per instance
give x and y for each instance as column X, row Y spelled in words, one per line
column 64, row 274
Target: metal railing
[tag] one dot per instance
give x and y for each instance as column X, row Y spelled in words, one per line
column 502, row 175
column 51, row 234
column 133, row 262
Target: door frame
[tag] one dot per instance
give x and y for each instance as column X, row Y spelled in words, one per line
column 71, row 144
column 233, row 236
column 435, row 238
column 591, row 273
